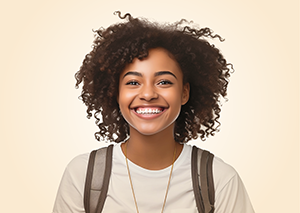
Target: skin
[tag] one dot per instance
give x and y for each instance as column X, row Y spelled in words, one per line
column 156, row 84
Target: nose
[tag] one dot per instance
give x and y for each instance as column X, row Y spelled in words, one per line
column 148, row 93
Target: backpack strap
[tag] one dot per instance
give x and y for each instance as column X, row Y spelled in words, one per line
column 97, row 179
column 202, row 178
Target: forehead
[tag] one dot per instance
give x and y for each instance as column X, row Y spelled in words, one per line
column 157, row 60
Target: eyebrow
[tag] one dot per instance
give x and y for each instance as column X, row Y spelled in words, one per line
column 156, row 74
column 165, row 73
column 133, row 73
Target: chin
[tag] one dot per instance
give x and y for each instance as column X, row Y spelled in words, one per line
column 147, row 132
column 150, row 131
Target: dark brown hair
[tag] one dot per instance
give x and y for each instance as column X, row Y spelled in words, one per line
column 202, row 64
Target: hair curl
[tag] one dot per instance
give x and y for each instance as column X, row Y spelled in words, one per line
column 202, row 64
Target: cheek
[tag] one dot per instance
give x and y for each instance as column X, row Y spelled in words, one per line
column 125, row 99
column 173, row 96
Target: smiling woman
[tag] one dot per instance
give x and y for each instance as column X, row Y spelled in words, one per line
column 202, row 66
column 156, row 87
column 148, row 94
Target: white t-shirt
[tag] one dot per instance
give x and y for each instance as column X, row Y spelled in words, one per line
column 150, row 187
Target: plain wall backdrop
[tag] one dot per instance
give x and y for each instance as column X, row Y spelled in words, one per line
column 44, row 125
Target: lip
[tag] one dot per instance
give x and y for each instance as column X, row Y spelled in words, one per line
column 148, row 116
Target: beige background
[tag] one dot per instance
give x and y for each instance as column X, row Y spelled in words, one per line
column 43, row 125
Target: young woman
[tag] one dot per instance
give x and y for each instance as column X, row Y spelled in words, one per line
column 152, row 88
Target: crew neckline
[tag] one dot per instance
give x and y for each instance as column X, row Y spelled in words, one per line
column 142, row 171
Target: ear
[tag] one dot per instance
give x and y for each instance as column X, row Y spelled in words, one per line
column 185, row 94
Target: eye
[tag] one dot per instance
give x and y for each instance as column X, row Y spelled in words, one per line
column 164, row 82
column 133, row 83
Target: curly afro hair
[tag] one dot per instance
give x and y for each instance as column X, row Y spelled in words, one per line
column 202, row 64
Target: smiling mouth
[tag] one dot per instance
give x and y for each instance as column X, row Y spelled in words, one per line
column 148, row 110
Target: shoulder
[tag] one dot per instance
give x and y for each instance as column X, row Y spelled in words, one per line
column 70, row 193
column 79, row 160
column 75, row 172
column 231, row 194
column 222, row 172
column 224, row 175
column 77, row 167
column 78, row 164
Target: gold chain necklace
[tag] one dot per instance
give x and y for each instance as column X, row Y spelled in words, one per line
column 137, row 209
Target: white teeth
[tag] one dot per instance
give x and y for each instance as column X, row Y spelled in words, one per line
column 148, row 111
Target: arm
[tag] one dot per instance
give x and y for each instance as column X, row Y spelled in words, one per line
column 233, row 198
column 231, row 195
column 69, row 197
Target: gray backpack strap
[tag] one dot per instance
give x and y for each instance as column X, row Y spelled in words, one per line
column 202, row 178
column 97, row 179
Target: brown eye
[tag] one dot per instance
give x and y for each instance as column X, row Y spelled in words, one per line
column 165, row 82
column 134, row 83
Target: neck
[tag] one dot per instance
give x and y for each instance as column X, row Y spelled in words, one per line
column 152, row 152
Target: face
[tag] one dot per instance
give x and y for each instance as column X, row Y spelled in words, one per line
column 151, row 92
